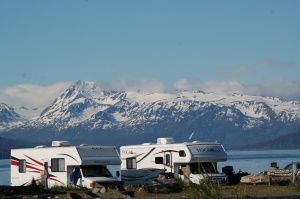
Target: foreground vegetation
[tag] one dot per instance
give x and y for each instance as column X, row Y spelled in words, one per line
column 206, row 190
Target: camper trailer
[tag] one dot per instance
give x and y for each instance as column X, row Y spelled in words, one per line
column 64, row 165
column 191, row 161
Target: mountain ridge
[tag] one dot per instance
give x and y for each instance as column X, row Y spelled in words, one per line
column 86, row 111
column 288, row 141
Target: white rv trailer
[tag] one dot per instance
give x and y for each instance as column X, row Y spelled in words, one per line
column 63, row 165
column 190, row 161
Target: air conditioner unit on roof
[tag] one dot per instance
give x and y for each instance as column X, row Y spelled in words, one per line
column 60, row 143
column 168, row 140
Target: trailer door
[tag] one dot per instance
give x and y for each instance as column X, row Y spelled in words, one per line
column 168, row 161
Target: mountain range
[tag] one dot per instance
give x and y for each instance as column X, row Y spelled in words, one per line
column 86, row 113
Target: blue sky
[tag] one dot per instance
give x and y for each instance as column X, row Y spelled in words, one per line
column 250, row 44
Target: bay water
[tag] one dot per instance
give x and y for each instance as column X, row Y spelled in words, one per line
column 245, row 161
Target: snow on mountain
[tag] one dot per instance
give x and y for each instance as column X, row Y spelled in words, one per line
column 251, row 106
column 29, row 112
column 8, row 117
column 82, row 101
column 86, row 107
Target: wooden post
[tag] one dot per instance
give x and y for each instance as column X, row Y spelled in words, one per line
column 294, row 171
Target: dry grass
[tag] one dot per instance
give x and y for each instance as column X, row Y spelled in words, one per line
column 236, row 191
column 241, row 190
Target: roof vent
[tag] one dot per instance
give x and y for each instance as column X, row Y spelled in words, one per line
column 196, row 141
column 60, row 143
column 168, row 140
column 147, row 143
column 40, row 146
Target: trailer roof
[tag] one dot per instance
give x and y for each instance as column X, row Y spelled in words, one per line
column 173, row 144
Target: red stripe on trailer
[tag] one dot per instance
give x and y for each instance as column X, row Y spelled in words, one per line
column 56, row 180
column 31, row 167
column 14, row 162
column 39, row 163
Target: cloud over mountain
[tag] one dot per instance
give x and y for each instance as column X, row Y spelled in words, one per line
column 37, row 97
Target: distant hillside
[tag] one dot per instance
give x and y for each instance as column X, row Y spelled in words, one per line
column 289, row 141
column 7, row 144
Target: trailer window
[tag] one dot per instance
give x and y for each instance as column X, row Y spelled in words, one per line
column 22, row 166
column 168, row 159
column 182, row 153
column 95, row 171
column 57, row 164
column 131, row 163
column 159, row 160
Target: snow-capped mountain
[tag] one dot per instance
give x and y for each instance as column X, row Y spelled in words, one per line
column 8, row 117
column 86, row 112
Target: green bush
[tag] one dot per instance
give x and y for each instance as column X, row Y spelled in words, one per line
column 59, row 189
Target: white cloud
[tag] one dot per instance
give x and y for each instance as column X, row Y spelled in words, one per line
column 289, row 90
column 36, row 96
column 114, row 84
column 284, row 90
column 182, row 84
column 32, row 96
column 123, row 83
column 149, row 85
column 231, row 86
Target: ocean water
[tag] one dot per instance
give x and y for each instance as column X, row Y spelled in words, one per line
column 245, row 161
column 260, row 160
column 4, row 172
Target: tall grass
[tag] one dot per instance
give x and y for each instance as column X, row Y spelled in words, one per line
column 239, row 191
column 205, row 190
